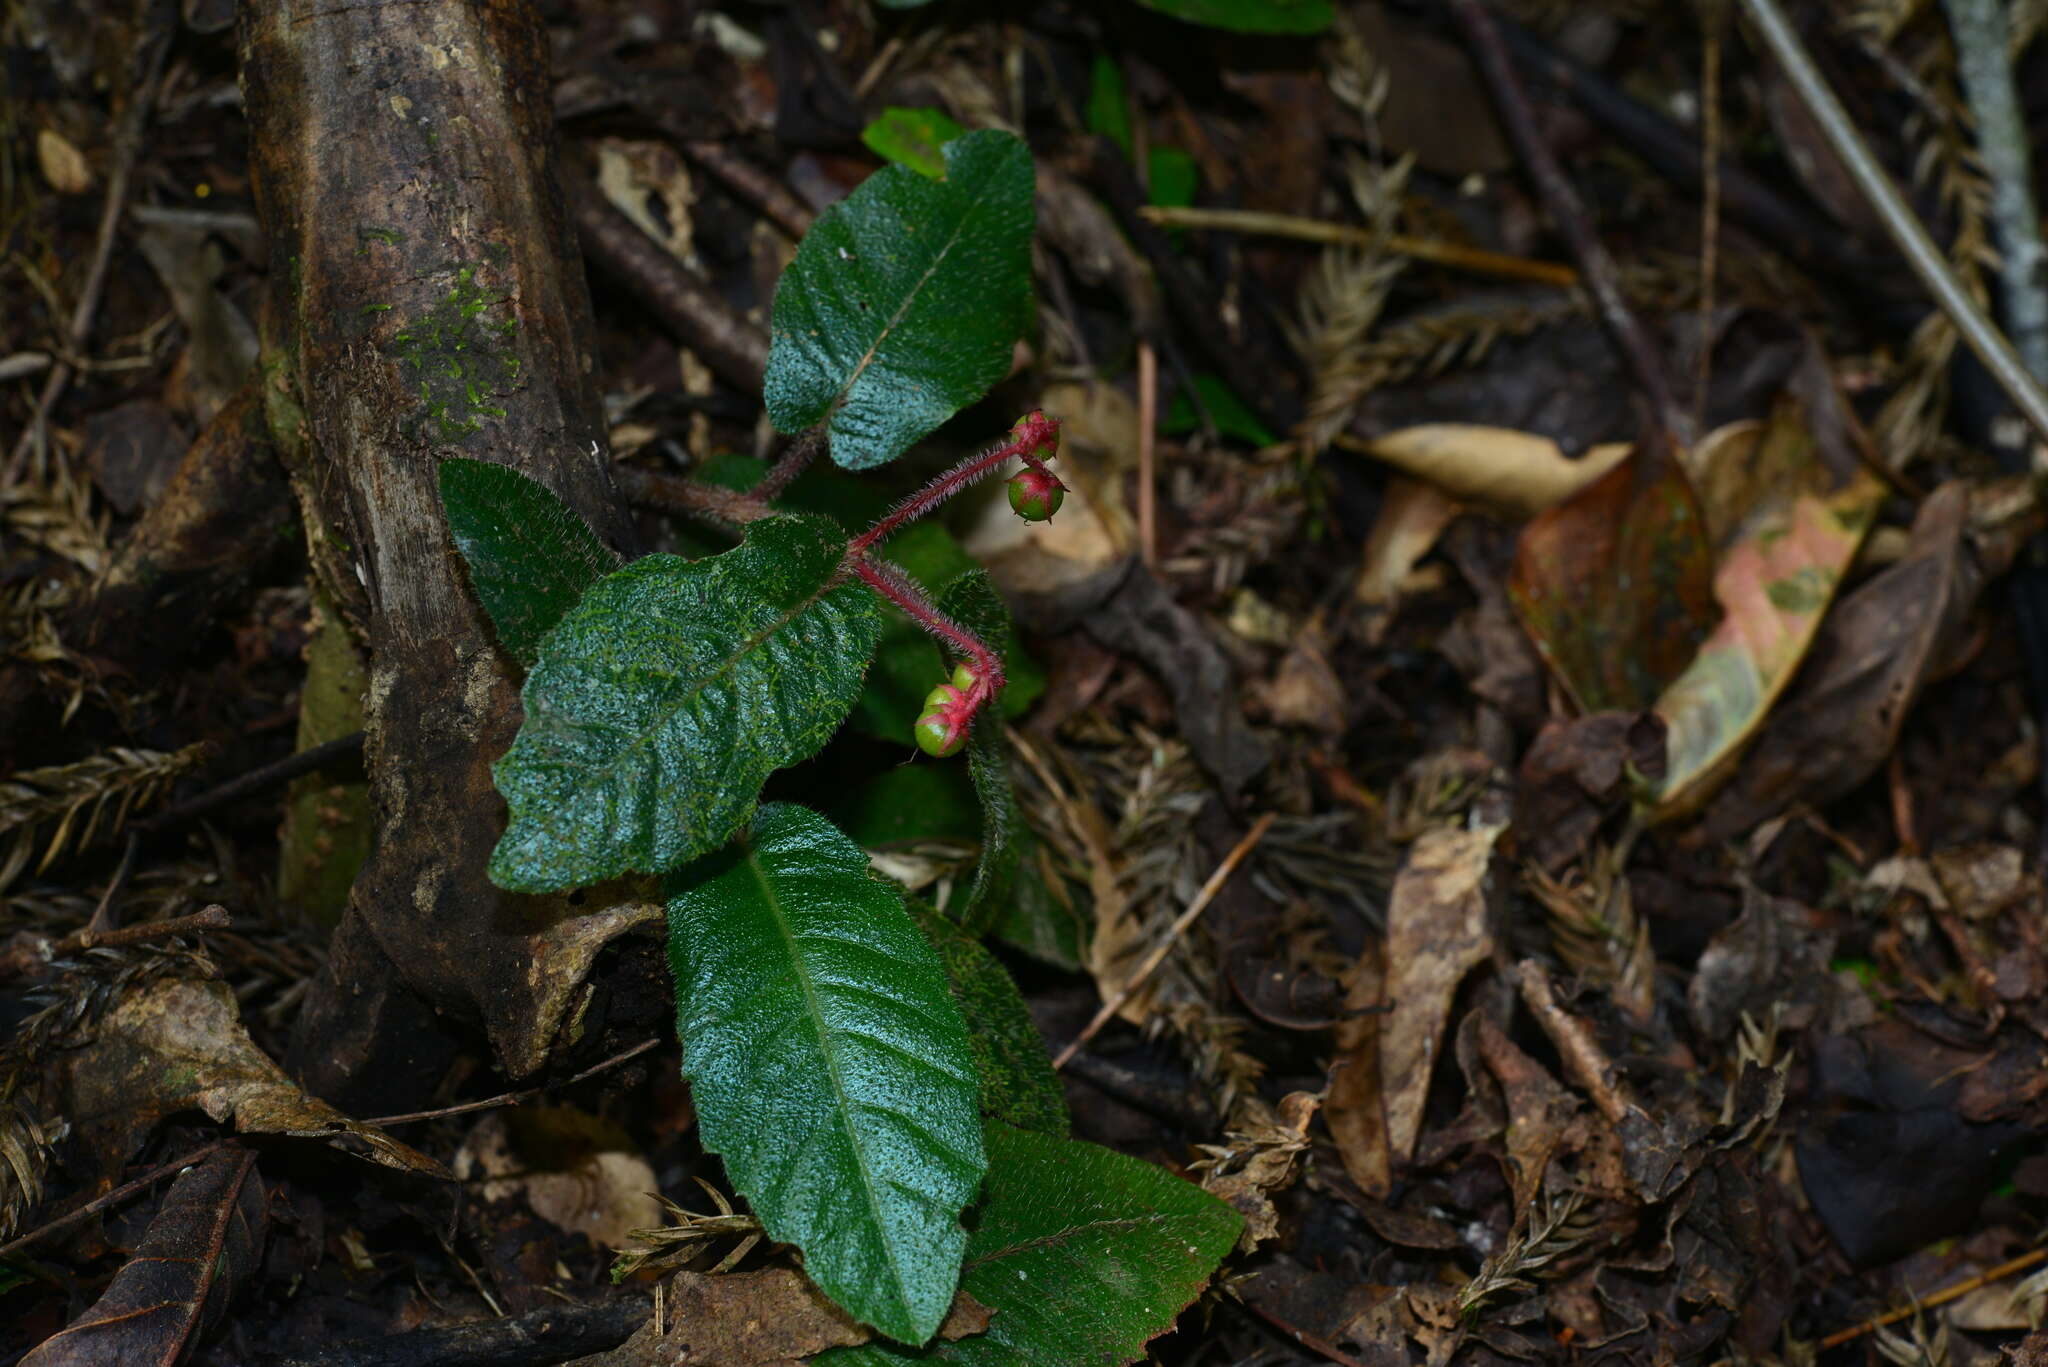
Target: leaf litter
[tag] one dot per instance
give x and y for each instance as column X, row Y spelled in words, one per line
column 1644, row 961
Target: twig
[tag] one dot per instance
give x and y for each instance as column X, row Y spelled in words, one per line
column 120, row 1193
column 692, row 312
column 1583, row 1058
column 1148, row 424
column 1173, row 933
column 1474, row 259
column 102, row 922
column 675, row 494
column 516, row 1098
column 751, row 184
column 1710, row 200
column 29, row 953
column 1941, row 1297
column 255, row 781
column 1596, row 268
column 792, row 463
column 1898, row 218
column 1313, row 1342
column 1981, row 29
column 127, row 146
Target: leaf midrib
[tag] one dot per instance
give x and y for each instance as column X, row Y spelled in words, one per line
column 868, row 358
column 843, row 1107
column 550, row 827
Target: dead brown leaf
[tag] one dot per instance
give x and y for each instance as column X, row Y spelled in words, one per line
column 204, row 1242
column 178, row 1044
column 1356, row 1110
column 1439, row 927
column 770, row 1318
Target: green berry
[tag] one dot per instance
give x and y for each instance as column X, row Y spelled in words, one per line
column 941, row 700
column 964, row 677
column 1035, row 496
column 937, row 737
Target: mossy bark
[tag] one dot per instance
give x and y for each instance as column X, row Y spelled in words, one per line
column 427, row 300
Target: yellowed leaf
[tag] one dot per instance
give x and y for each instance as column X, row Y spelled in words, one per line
column 1517, row 472
column 62, row 164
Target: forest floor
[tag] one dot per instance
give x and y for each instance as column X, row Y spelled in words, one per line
column 1618, row 752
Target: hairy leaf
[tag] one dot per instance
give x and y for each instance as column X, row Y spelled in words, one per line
column 904, row 300
column 972, row 601
column 1018, row 1084
column 530, row 558
column 1250, row 16
column 667, row 696
column 829, row 1065
column 1084, row 1254
column 912, row 137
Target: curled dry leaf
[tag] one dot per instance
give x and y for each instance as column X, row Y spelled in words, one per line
column 1875, row 653
column 1514, row 472
column 1439, row 927
column 1256, row 1162
column 204, row 1242
column 1413, row 514
column 178, row 1044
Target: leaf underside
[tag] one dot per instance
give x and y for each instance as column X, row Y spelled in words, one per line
column 1084, row 1254
column 665, row 698
column 904, row 301
column 1018, row 1084
column 530, row 557
column 829, row 1065
column 973, row 602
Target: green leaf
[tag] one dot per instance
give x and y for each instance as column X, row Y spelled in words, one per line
column 1250, row 16
column 668, row 695
column 913, row 138
column 1037, row 920
column 904, row 301
column 972, row 601
column 1085, row 1256
column 530, row 558
column 1174, row 176
column 1233, row 418
column 908, row 804
column 829, row 1065
column 1018, row 1085
column 1109, row 112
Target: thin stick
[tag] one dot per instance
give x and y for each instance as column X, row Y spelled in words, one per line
column 1148, row 421
column 1710, row 201
column 1173, row 934
column 127, row 146
column 1982, row 30
column 516, row 1098
column 120, row 1193
column 1314, row 1343
column 102, row 922
column 1596, row 268
column 1941, row 1297
column 1473, row 259
column 255, row 781
column 1898, row 218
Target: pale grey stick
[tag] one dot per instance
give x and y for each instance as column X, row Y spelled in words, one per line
column 1899, row 220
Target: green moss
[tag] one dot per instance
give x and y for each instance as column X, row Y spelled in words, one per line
column 459, row 357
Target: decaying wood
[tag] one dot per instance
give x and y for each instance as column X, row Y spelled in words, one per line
column 427, row 302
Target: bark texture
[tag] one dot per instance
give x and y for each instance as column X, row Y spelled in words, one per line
column 428, row 301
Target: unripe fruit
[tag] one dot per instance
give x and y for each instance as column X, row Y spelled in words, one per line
column 1035, row 496
column 942, row 700
column 963, row 676
column 939, row 737
column 1041, row 431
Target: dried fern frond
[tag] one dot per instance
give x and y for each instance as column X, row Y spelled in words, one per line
column 1596, row 932
column 1552, row 1229
column 83, row 799
column 1342, row 301
column 27, row 1143
column 56, row 513
column 1947, row 160
column 669, row 1245
column 1917, row 1347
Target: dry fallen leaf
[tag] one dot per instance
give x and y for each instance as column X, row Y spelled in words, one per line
column 1516, row 472
column 178, row 1044
column 770, row 1318
column 604, row 1196
column 63, row 165
column 1439, row 927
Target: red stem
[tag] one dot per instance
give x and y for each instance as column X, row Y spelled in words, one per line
column 1033, row 432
